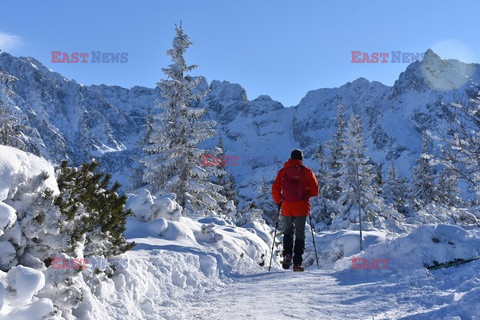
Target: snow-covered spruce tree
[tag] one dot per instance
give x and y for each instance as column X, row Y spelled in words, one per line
column 447, row 190
column 396, row 191
column 378, row 181
column 136, row 179
column 460, row 161
column 356, row 178
column 322, row 172
column 230, row 191
column 265, row 203
column 251, row 213
column 219, row 162
column 462, row 148
column 335, row 147
column 423, row 188
column 173, row 161
column 93, row 213
column 323, row 206
column 224, row 178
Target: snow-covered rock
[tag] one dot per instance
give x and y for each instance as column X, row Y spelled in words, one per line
column 7, row 217
column 25, row 282
column 149, row 207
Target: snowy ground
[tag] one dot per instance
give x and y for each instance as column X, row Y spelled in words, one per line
column 323, row 294
column 208, row 268
column 405, row 290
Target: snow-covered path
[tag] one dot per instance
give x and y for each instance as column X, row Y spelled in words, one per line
column 276, row 295
column 350, row 294
column 207, row 269
column 315, row 294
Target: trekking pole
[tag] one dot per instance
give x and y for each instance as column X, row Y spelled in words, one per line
column 274, row 236
column 313, row 237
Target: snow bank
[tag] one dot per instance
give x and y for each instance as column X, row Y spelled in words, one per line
column 17, row 290
column 332, row 246
column 420, row 248
column 175, row 257
column 149, row 207
column 427, row 244
column 7, row 217
column 25, row 282
column 17, row 166
column 175, row 260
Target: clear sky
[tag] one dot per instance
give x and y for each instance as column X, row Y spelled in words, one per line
column 276, row 47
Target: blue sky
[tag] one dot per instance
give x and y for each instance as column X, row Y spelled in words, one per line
column 279, row 48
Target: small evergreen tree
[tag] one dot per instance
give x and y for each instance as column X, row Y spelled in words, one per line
column 357, row 177
column 324, row 211
column 136, row 179
column 378, row 180
column 447, row 190
column 323, row 172
column 423, row 190
column 335, row 146
column 220, row 177
column 94, row 215
column 229, row 190
column 396, row 191
column 265, row 203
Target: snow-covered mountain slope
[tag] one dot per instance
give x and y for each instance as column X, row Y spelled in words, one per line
column 80, row 122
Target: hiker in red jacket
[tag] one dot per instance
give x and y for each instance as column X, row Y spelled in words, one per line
column 292, row 189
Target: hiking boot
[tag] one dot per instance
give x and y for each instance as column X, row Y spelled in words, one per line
column 298, row 267
column 287, row 261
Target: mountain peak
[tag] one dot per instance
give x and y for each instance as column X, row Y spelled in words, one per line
column 430, row 57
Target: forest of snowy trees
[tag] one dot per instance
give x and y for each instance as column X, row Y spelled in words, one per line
column 348, row 177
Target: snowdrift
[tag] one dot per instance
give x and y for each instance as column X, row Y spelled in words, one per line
column 174, row 257
column 424, row 246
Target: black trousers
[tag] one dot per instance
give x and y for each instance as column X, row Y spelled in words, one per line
column 294, row 225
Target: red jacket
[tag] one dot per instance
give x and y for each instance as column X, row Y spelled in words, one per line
column 297, row 208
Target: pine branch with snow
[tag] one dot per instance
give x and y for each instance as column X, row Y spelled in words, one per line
column 94, row 214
